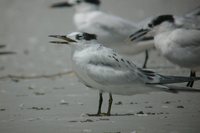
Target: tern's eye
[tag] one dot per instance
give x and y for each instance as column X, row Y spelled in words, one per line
column 79, row 37
column 78, row 1
column 88, row 36
column 150, row 25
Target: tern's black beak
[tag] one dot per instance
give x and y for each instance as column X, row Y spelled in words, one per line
column 66, row 39
column 2, row 46
column 139, row 35
column 61, row 4
column 7, row 53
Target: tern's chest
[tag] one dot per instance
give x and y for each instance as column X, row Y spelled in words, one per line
column 80, row 61
column 163, row 43
column 79, row 67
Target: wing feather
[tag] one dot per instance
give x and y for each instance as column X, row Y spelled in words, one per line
column 111, row 69
column 186, row 38
column 107, row 25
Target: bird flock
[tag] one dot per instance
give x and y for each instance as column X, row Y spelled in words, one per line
column 98, row 48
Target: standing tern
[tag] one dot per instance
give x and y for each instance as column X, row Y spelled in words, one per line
column 112, row 31
column 178, row 40
column 103, row 69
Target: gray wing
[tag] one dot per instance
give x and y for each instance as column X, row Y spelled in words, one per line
column 193, row 13
column 150, row 77
column 187, row 38
column 111, row 69
column 188, row 22
column 109, row 25
column 113, row 23
column 115, row 70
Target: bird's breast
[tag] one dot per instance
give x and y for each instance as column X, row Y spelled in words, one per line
column 163, row 43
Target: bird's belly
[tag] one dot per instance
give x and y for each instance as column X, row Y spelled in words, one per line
column 181, row 56
column 184, row 59
column 133, row 89
column 126, row 89
column 83, row 77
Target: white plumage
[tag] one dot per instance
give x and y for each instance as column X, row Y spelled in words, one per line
column 103, row 69
column 177, row 39
column 112, row 31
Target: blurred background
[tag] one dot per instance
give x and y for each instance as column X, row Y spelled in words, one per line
column 25, row 26
column 24, row 29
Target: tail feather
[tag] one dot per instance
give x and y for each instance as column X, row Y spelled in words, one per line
column 175, row 89
column 155, row 78
column 176, row 79
column 164, row 82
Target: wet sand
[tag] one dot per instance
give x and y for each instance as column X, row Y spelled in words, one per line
column 60, row 104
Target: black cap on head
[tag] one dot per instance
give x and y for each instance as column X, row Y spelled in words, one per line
column 160, row 19
column 96, row 2
column 88, row 36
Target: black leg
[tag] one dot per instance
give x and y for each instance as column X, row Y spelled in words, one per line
column 146, row 58
column 100, row 103
column 191, row 83
column 99, row 113
column 99, row 107
column 110, row 104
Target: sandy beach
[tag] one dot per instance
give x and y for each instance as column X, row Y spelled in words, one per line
column 42, row 98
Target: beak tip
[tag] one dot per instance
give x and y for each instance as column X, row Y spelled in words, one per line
column 131, row 35
column 54, row 36
column 53, row 6
column 7, row 53
column 58, row 42
column 51, row 41
column 138, row 35
column 60, row 5
column 62, row 37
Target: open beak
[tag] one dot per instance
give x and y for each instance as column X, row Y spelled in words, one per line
column 7, row 53
column 61, row 4
column 139, row 35
column 66, row 39
column 2, row 46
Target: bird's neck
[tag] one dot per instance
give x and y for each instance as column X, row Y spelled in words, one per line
column 86, row 46
column 85, row 7
column 166, row 27
column 82, row 56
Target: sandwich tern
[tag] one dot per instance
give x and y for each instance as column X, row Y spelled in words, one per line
column 113, row 31
column 103, row 69
column 177, row 38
